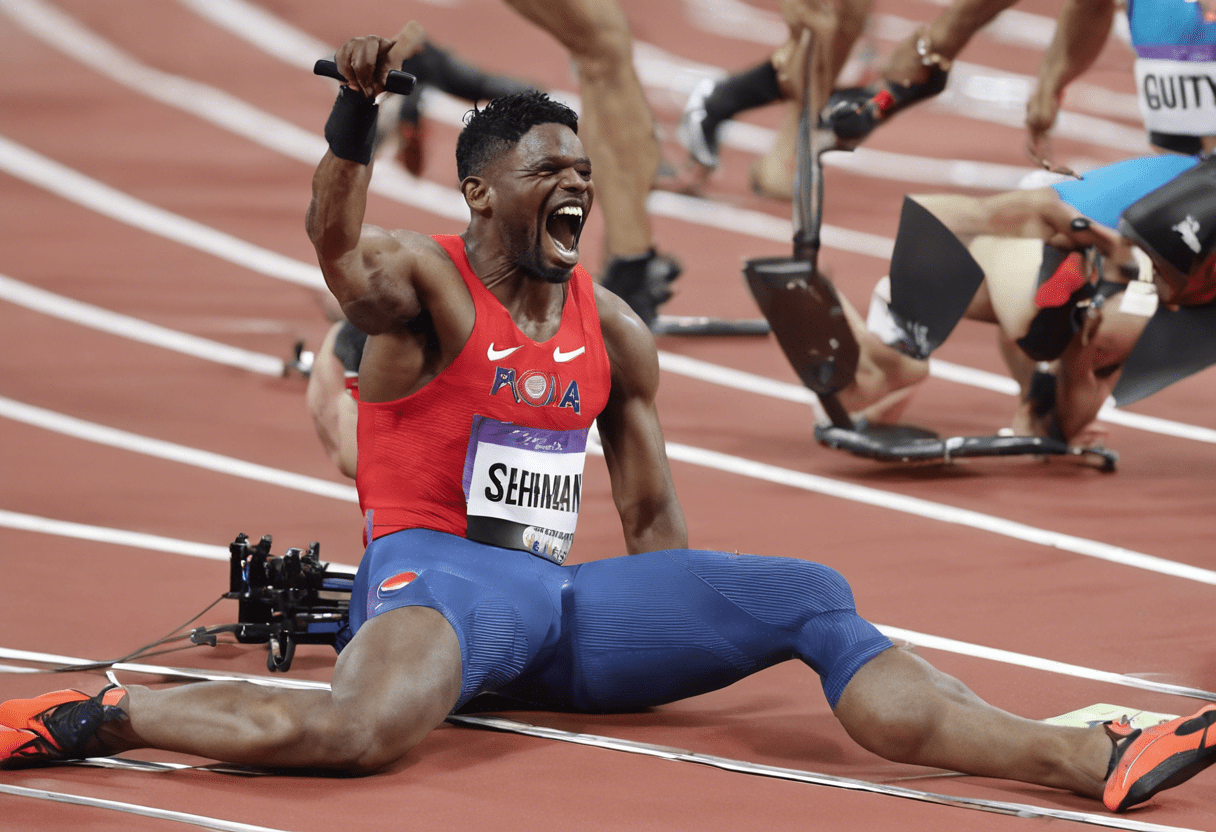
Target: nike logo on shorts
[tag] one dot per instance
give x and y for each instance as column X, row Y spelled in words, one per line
column 498, row 355
column 562, row 357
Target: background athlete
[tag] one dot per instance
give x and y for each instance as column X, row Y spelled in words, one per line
column 496, row 346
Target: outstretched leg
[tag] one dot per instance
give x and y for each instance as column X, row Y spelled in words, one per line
column 398, row 678
column 903, row 709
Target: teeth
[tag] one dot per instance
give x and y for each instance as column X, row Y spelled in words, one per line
column 572, row 210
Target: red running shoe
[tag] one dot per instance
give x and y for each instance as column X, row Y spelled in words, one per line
column 55, row 726
column 1157, row 758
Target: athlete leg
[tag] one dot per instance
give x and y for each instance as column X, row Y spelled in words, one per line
column 655, row 627
column 885, row 377
column 901, row 708
column 616, row 125
column 397, row 679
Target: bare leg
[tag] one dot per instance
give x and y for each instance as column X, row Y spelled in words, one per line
column 397, row 679
column 901, row 708
column 335, row 413
column 616, row 125
column 836, row 27
column 885, row 377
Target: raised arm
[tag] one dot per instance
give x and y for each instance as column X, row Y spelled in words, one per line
column 1081, row 32
column 367, row 268
column 642, row 489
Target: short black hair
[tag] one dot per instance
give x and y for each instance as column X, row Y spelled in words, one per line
column 500, row 125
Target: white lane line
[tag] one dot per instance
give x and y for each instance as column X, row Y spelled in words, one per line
column 658, row 68
column 78, row 428
column 118, row 537
column 135, row 329
column 33, row 167
column 936, row 511
column 930, row 642
column 765, row 386
column 200, row 821
column 38, row 170
column 121, row 537
column 26, row 164
column 652, row 750
column 292, row 141
column 1021, row 810
column 112, row 437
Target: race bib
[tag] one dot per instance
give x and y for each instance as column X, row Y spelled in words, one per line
column 523, row 486
column 1177, row 96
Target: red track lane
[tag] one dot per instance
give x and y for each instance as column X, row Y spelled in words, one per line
column 100, row 600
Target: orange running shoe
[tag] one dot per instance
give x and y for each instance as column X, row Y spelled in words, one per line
column 1153, row 759
column 55, row 726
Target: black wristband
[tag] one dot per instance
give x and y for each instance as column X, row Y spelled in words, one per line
column 351, row 128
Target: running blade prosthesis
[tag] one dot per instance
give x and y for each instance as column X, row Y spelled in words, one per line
column 55, row 726
column 1158, row 758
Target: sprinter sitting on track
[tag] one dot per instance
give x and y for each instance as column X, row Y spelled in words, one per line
column 490, row 354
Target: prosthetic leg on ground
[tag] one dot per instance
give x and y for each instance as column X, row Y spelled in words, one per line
column 933, row 278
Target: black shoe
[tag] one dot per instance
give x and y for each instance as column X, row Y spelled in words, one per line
column 644, row 282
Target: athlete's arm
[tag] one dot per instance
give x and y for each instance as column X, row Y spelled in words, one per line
column 1038, row 213
column 368, row 269
column 642, row 489
column 1081, row 32
column 1090, row 366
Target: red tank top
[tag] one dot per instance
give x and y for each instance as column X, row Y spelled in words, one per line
column 491, row 448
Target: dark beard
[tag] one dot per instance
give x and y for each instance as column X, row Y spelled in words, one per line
column 530, row 263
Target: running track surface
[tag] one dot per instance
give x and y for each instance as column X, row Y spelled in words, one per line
column 114, row 122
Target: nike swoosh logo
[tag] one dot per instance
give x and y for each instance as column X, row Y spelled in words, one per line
column 498, row 355
column 562, row 357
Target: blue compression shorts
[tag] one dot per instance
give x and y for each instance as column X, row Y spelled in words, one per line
column 1106, row 192
column 619, row 634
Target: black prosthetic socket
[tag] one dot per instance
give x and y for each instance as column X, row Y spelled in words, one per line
column 1041, row 394
column 643, row 281
column 744, row 91
column 440, row 68
column 351, row 128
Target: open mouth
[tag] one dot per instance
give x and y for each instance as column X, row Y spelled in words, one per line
column 564, row 227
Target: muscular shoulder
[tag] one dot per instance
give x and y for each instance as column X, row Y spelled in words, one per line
column 632, row 354
column 407, row 273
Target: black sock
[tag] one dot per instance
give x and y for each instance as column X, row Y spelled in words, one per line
column 745, row 90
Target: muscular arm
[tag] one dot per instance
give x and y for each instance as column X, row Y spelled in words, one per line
column 642, row 489
column 368, row 269
column 1081, row 32
column 946, row 36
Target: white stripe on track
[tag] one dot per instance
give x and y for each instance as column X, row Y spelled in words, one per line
column 118, row 537
column 38, row 170
column 200, row 821
column 33, row 167
column 389, row 181
column 935, row 511
column 135, row 329
column 26, row 164
column 658, row 68
column 112, row 437
column 78, row 428
column 634, row 747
